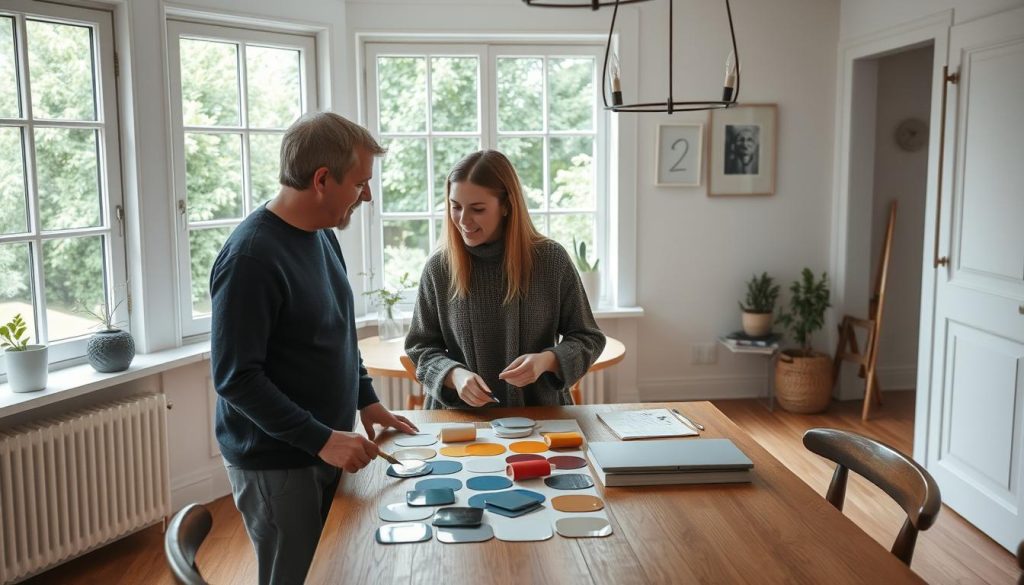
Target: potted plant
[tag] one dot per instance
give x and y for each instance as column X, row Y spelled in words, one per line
column 111, row 349
column 589, row 273
column 26, row 364
column 762, row 293
column 388, row 326
column 803, row 377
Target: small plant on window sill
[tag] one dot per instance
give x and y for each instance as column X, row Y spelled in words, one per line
column 13, row 335
column 589, row 275
column 26, row 363
column 580, row 252
column 110, row 349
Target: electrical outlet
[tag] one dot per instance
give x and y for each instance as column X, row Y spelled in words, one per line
column 703, row 354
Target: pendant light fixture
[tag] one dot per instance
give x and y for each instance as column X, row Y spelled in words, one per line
column 730, row 86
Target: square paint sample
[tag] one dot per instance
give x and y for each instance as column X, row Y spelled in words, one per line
column 430, row 497
column 459, row 517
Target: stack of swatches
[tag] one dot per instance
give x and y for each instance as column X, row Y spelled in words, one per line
column 523, row 504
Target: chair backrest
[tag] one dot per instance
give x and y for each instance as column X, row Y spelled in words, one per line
column 906, row 482
column 415, row 400
column 185, row 534
column 410, row 368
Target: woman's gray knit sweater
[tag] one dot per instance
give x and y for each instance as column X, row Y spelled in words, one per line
column 484, row 336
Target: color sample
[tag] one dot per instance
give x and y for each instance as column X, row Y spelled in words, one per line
column 485, row 465
column 577, row 503
column 528, row 447
column 512, row 433
column 402, row 512
column 569, row 481
column 563, row 440
column 442, row 467
column 410, row 468
column 459, row 432
column 523, row 457
column 405, row 532
column 520, row 530
column 567, row 462
column 421, row 453
column 458, row 517
column 514, row 422
column 485, row 449
column 433, row 497
column 439, row 483
column 583, row 527
column 460, row 535
column 480, row 500
column 418, row 440
column 454, row 451
column 521, row 470
column 484, row 483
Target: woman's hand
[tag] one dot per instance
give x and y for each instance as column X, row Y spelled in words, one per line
column 525, row 369
column 471, row 388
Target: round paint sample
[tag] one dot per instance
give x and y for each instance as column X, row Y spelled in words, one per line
column 485, row 465
column 487, row 483
column 528, row 447
column 514, row 530
column 569, row 481
column 485, row 449
column 439, row 484
column 405, row 532
column 523, row 457
column 583, row 527
column 402, row 512
column 410, row 468
column 454, row 451
column 419, row 440
column 514, row 422
column 512, row 433
column 442, row 467
column 420, row 453
column 577, row 503
column 449, row 535
column 567, row 462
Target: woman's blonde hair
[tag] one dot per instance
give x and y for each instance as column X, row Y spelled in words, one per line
column 492, row 170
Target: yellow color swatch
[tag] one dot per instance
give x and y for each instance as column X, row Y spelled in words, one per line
column 528, row 447
column 454, row 451
column 485, row 449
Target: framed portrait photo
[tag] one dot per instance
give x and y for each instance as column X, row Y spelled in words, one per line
column 679, row 155
column 742, row 146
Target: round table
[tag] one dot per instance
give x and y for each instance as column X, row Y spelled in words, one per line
column 384, row 358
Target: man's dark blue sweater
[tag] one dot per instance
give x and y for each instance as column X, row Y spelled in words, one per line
column 284, row 351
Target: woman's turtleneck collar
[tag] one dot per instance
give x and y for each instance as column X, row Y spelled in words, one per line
column 491, row 251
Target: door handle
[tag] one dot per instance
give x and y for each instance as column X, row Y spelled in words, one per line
column 1020, row 309
column 946, row 80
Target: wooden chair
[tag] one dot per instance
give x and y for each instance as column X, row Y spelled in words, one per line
column 906, row 482
column 185, row 534
column 415, row 399
column 847, row 348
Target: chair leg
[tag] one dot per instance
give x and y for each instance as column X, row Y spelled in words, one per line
column 837, row 361
column 870, row 394
column 577, row 395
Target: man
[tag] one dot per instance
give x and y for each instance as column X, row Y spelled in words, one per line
column 741, row 150
column 284, row 352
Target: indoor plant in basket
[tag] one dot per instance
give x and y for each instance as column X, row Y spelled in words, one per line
column 762, row 292
column 803, row 377
column 26, row 363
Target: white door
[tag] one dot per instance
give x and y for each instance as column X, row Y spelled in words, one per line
column 976, row 418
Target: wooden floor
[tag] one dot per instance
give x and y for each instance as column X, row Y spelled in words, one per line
column 952, row 551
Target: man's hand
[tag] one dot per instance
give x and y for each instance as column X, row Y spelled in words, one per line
column 525, row 369
column 376, row 413
column 349, row 451
column 471, row 387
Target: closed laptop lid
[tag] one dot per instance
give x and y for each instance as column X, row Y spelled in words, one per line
column 669, row 455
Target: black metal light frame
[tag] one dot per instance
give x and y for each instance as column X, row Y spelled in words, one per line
column 670, row 105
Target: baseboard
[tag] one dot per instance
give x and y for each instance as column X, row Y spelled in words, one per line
column 701, row 388
column 202, row 486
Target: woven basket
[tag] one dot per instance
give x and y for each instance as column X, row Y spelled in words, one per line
column 803, row 384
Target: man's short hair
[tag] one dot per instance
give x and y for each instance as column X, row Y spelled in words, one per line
column 322, row 139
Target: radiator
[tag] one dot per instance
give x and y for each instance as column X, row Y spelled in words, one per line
column 393, row 392
column 76, row 482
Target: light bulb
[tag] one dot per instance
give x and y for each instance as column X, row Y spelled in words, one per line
column 730, row 79
column 616, row 81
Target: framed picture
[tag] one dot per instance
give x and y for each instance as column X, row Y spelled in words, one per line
column 680, row 147
column 743, row 144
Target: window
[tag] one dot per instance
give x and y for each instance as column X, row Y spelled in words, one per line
column 61, row 240
column 433, row 104
column 235, row 92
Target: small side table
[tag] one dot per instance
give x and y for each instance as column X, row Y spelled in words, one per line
column 770, row 352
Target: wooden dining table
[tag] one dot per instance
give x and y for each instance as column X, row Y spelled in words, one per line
column 775, row 529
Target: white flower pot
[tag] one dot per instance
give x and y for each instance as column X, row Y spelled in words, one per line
column 26, row 370
column 757, row 324
column 592, row 284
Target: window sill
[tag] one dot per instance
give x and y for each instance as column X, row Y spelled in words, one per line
column 370, row 319
column 82, row 379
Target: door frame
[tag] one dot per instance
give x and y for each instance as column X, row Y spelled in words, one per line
column 853, row 181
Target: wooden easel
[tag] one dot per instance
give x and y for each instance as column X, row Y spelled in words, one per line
column 847, row 349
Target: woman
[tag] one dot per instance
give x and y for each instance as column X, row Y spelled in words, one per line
column 494, row 300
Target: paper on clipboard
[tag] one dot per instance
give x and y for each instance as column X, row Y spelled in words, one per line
column 645, row 424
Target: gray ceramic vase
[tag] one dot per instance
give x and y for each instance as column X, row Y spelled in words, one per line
column 110, row 351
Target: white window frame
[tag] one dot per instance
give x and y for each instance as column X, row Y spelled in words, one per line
column 108, row 166
column 176, row 29
column 488, row 54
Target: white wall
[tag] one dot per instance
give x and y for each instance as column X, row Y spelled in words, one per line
column 904, row 91
column 863, row 17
